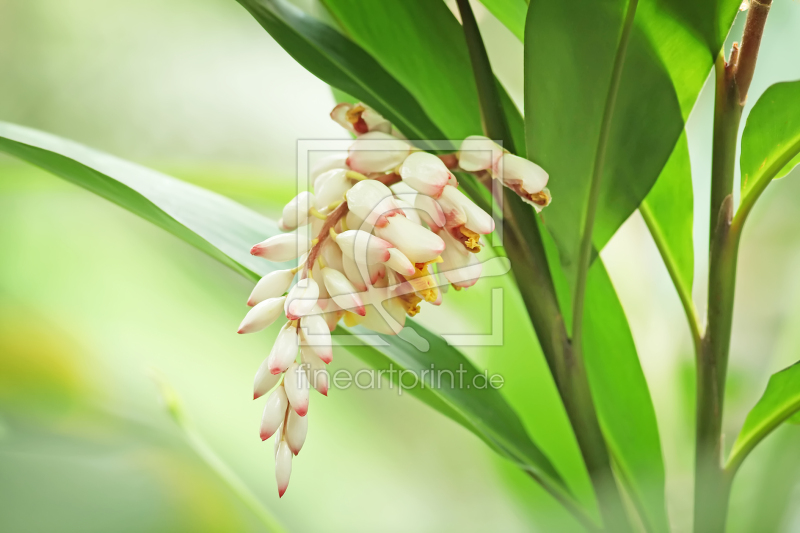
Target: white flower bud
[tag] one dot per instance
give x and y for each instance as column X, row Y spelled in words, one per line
column 359, row 119
column 274, row 413
column 330, row 187
column 342, row 291
column 399, row 262
column 272, row 285
column 295, row 213
column 352, row 272
column 301, row 299
column 284, row 351
column 296, row 384
column 296, row 431
column 315, row 369
column 377, row 152
column 329, row 162
column 363, row 247
column 425, row 173
column 264, row 380
column 372, row 202
column 430, row 211
column 283, row 467
column 460, row 210
column 262, row 315
column 317, row 335
column 460, row 267
column 524, row 177
column 478, row 153
column 417, row 243
column 282, row 248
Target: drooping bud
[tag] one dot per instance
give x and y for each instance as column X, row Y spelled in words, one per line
column 264, row 380
column 377, row 152
column 317, row 335
column 274, row 413
column 430, row 211
column 372, row 202
column 282, row 248
column 262, row 315
column 272, row 285
column 301, row 299
column 363, row 247
column 478, row 153
column 296, row 431
column 417, row 243
column 399, row 262
column 359, row 119
column 295, row 213
column 283, row 467
column 524, row 177
column 425, row 173
column 330, row 187
column 460, row 267
column 296, row 384
column 315, row 369
column 342, row 291
column 284, row 351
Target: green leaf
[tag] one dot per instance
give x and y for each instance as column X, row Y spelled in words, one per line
column 622, row 398
column 668, row 212
column 511, row 13
column 226, row 231
column 771, row 138
column 780, row 401
column 422, row 45
column 339, row 62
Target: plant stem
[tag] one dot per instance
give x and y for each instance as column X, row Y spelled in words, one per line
column 712, row 481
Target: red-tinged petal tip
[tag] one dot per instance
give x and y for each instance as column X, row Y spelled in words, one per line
column 250, row 303
column 301, row 410
column 324, row 392
column 361, row 310
column 240, row 331
column 282, row 491
column 255, row 250
column 274, row 371
column 256, row 396
column 327, row 359
column 265, row 436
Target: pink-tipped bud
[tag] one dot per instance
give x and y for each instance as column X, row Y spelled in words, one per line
column 274, row 413
column 282, row 248
column 283, row 467
column 342, row 291
column 478, row 153
column 377, row 152
column 273, row 285
column 372, row 202
column 315, row 333
column 524, row 177
column 418, row 244
column 296, row 431
column 262, row 315
column 301, row 299
column 264, row 380
column 425, row 173
column 296, row 384
column 284, row 351
column 363, row 247
column 295, row 213
column 399, row 262
column 314, row 367
column 460, row 210
column 430, row 211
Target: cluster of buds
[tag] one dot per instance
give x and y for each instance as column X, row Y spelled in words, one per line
column 386, row 224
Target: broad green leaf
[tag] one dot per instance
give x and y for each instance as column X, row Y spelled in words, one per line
column 668, row 211
column 771, row 138
column 511, row 13
column 226, row 230
column 422, row 45
column 780, row 401
column 622, row 398
column 339, row 62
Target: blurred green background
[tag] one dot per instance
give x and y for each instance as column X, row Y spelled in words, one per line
column 93, row 298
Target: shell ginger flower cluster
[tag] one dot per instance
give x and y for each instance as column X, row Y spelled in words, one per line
column 384, row 224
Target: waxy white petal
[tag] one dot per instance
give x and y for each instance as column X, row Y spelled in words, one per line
column 282, row 248
column 418, row 244
column 377, row 152
column 331, row 187
column 363, row 247
column 399, row 262
column 314, row 367
column 332, row 255
column 352, row 272
column 284, row 351
column 272, row 285
column 317, row 335
column 342, row 291
column 323, row 165
column 262, row 315
column 301, row 299
column 430, row 211
column 283, row 467
column 274, row 413
column 372, row 202
column 460, row 267
column 425, row 173
column 377, row 322
column 264, row 380
column 478, row 153
column 296, row 431
column 295, row 213
column 296, row 384
column 475, row 218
